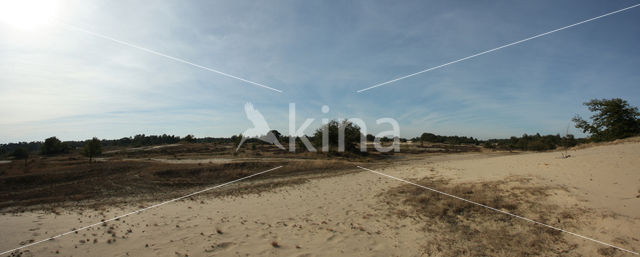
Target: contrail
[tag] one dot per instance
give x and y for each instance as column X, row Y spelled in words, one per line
column 495, row 49
column 164, row 55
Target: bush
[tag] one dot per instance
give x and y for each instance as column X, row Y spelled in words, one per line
column 92, row 148
column 52, row 146
column 189, row 138
column 20, row 153
column 352, row 135
column 371, row 138
column 537, row 146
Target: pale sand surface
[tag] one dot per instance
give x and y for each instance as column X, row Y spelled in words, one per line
column 345, row 215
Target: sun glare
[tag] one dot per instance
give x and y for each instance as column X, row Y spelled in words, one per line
column 27, row 14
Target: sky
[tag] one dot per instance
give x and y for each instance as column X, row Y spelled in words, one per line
column 56, row 80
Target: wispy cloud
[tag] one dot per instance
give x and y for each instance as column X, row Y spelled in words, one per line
column 61, row 82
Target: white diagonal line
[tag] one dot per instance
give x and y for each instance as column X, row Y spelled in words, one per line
column 501, row 211
column 141, row 210
column 164, row 55
column 496, row 49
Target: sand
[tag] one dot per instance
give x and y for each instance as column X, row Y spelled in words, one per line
column 345, row 215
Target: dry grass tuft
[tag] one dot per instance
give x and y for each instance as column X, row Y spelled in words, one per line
column 458, row 228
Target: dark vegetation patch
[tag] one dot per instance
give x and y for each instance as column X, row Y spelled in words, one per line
column 64, row 180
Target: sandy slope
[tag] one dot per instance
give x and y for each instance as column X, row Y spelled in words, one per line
column 345, row 215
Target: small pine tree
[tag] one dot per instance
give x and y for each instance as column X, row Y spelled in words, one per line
column 93, row 148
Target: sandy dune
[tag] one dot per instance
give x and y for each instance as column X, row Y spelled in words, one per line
column 347, row 215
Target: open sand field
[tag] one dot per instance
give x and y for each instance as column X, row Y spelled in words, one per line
column 594, row 193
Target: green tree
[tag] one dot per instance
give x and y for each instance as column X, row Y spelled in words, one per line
column 613, row 119
column 371, row 137
column 276, row 134
column 53, row 145
column 352, row 134
column 93, row 148
column 429, row 137
column 21, row 154
column 236, row 140
column 189, row 138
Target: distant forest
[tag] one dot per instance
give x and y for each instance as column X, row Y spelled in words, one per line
column 525, row 142
column 534, row 142
column 612, row 119
column 135, row 141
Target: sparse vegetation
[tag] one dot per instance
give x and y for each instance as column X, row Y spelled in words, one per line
column 465, row 229
column 68, row 178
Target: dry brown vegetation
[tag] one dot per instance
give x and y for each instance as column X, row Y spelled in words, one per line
column 164, row 171
column 458, row 228
column 417, row 148
column 66, row 180
column 259, row 150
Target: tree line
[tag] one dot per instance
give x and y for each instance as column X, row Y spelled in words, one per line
column 433, row 138
column 612, row 119
column 53, row 145
column 533, row 142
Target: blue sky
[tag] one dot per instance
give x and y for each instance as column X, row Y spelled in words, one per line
column 55, row 81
